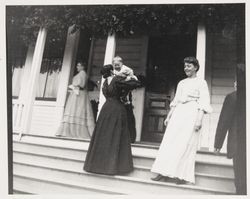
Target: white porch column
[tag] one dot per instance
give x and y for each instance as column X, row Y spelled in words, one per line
column 69, row 59
column 109, row 55
column 201, row 56
column 17, row 115
column 201, row 49
column 27, row 70
column 139, row 93
column 4, row 166
column 33, row 80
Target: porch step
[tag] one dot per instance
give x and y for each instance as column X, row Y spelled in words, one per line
column 42, row 179
column 142, row 155
column 64, row 157
column 42, row 184
column 216, row 182
column 19, row 192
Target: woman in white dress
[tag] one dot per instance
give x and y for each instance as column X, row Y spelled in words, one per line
column 176, row 155
column 78, row 119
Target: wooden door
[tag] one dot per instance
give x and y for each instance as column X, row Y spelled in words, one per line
column 156, row 110
column 164, row 71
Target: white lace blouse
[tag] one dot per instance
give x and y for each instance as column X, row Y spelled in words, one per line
column 193, row 89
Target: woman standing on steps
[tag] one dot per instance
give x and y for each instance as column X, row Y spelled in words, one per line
column 109, row 149
column 176, row 155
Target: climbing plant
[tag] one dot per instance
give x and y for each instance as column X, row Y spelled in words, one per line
column 124, row 20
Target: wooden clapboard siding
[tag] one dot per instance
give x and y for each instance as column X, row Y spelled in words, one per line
column 43, row 119
column 223, row 73
column 217, row 99
column 222, row 81
column 99, row 47
column 217, row 108
column 222, row 62
column 98, row 57
column 227, row 63
column 96, row 62
column 222, row 90
column 132, row 50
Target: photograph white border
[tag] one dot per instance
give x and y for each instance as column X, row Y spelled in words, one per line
column 3, row 95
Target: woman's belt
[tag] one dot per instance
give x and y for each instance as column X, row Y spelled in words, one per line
column 189, row 100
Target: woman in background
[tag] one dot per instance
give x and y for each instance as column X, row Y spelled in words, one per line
column 78, row 120
column 176, row 156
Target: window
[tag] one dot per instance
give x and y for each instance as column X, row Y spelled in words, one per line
column 48, row 80
column 16, row 61
column 17, row 66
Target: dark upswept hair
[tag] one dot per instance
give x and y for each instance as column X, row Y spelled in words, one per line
column 192, row 60
column 106, row 70
column 84, row 64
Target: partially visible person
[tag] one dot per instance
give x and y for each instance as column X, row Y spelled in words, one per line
column 241, row 157
column 124, row 71
column 78, row 119
column 227, row 125
column 175, row 160
column 110, row 150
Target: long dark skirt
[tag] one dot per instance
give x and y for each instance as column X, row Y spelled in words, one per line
column 131, row 122
column 110, row 150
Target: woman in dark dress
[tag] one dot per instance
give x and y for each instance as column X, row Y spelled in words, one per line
column 110, row 150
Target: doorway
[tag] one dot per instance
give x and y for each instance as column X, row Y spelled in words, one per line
column 164, row 71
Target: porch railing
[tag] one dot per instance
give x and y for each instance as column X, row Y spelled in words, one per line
column 17, row 112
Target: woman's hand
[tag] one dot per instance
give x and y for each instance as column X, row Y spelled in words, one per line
column 168, row 116
column 166, row 121
column 197, row 125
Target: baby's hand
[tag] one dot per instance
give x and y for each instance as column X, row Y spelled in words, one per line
column 128, row 78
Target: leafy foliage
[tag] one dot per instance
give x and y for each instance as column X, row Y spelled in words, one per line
column 124, row 20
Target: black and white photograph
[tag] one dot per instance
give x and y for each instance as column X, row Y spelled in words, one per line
column 124, row 98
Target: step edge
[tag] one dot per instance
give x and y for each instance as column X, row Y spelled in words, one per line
column 135, row 166
column 139, row 156
column 72, row 184
column 49, row 156
column 138, row 145
column 198, row 188
column 46, row 145
column 21, row 192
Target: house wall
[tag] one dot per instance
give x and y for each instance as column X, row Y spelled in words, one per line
column 43, row 118
column 219, row 73
column 46, row 115
column 221, row 62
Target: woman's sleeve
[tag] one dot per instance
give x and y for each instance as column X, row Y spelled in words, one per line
column 204, row 100
column 121, row 83
column 177, row 95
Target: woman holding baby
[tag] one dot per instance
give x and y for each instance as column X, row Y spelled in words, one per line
column 109, row 149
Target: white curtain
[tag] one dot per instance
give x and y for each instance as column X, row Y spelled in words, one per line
column 16, row 80
column 49, row 78
column 52, row 84
column 41, row 84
